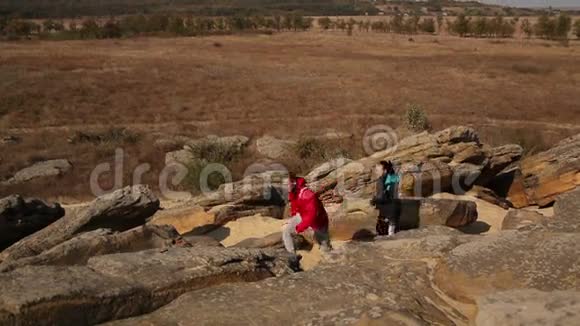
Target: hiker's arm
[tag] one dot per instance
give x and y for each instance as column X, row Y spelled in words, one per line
column 293, row 209
column 380, row 193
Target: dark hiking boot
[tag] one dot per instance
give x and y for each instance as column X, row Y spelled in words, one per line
column 294, row 262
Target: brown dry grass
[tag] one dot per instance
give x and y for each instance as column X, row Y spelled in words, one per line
column 287, row 84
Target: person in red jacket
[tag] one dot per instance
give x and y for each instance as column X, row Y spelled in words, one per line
column 307, row 212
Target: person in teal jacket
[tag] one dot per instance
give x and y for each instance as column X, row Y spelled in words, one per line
column 386, row 199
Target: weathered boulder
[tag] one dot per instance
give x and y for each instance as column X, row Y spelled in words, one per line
column 499, row 158
column 544, row 176
column 427, row 178
column 356, row 218
column 332, row 134
column 566, row 212
column 471, row 152
column 79, row 249
column 521, row 219
column 261, row 189
column 529, row 307
column 379, row 283
column 119, row 211
column 51, row 168
column 272, row 147
column 566, row 216
column 128, row 284
column 325, row 169
column 21, row 217
column 457, row 134
column 262, row 193
column 489, row 196
column 508, row 260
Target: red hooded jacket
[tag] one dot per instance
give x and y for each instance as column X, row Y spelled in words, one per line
column 304, row 201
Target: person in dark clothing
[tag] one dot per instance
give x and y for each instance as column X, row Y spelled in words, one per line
column 386, row 199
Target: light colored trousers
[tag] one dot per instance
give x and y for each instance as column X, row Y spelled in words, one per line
column 321, row 237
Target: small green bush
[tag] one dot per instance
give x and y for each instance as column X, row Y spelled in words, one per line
column 192, row 180
column 526, row 68
column 206, row 153
column 214, row 151
column 531, row 142
column 309, row 147
column 416, row 118
column 110, row 136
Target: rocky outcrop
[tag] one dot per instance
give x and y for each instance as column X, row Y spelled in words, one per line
column 356, row 218
column 382, row 283
column 123, row 285
column 324, row 169
column 451, row 160
column 544, row 176
column 21, row 217
column 543, row 261
column 500, row 158
column 566, row 216
column 51, row 168
column 272, row 147
column 262, row 193
column 119, row 211
column 529, row 307
column 262, row 189
column 78, row 250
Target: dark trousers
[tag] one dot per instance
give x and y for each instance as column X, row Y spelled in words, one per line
column 388, row 215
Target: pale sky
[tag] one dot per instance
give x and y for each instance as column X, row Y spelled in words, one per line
column 535, row 3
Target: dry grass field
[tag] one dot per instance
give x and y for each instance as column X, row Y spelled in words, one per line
column 287, row 84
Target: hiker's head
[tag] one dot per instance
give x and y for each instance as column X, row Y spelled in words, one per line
column 295, row 182
column 387, row 167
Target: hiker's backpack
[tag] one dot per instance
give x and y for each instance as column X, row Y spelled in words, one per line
column 391, row 186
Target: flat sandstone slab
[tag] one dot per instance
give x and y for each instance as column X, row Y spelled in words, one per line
column 124, row 285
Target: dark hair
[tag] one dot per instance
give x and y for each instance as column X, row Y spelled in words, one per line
column 387, row 166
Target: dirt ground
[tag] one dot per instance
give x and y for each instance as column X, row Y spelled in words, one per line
column 286, row 84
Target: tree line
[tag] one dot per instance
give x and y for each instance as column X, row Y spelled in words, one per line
column 159, row 24
column 398, row 24
column 38, row 9
column 546, row 27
